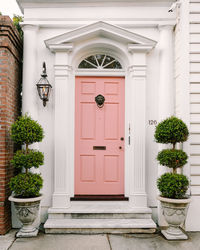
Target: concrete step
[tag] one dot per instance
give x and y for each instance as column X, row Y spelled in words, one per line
column 92, row 226
column 100, row 210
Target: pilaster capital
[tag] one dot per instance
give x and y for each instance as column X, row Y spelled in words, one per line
column 29, row 27
column 140, row 48
column 169, row 27
column 60, row 47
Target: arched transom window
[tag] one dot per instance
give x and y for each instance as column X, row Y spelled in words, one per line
column 100, row 61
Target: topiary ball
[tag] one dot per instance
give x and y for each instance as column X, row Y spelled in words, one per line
column 27, row 160
column 173, row 185
column 26, row 185
column 171, row 130
column 26, row 131
column 172, row 158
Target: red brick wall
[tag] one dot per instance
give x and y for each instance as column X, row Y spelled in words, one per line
column 10, row 79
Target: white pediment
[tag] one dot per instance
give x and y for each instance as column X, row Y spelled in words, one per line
column 99, row 29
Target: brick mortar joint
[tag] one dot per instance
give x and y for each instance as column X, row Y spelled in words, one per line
column 11, row 44
column 5, row 31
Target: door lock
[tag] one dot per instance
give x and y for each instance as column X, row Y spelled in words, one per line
column 122, row 138
column 120, row 147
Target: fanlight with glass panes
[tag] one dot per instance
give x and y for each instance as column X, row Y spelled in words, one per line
column 100, row 61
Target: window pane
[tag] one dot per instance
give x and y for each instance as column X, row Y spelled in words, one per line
column 108, row 60
column 92, row 60
column 114, row 65
column 85, row 65
column 105, row 61
column 100, row 58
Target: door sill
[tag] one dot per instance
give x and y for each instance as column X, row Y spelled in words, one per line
column 99, row 198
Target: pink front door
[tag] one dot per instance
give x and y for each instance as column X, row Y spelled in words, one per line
column 99, row 136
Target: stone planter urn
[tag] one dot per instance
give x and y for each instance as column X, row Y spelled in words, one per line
column 27, row 211
column 174, row 211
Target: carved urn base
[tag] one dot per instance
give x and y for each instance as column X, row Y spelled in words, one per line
column 27, row 212
column 174, row 211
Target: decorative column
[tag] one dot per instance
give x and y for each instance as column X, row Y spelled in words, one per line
column 138, row 196
column 166, row 83
column 166, row 88
column 30, row 77
column 61, row 195
column 166, row 78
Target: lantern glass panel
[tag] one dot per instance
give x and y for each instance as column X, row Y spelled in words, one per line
column 44, row 88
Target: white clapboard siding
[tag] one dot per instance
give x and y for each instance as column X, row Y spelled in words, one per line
column 195, row 108
column 194, row 98
column 194, row 67
column 194, row 48
column 194, row 78
column 195, row 118
column 194, row 27
column 194, row 86
column 194, row 58
column 194, row 18
column 195, row 149
column 195, row 128
column 195, row 38
column 195, row 139
column 194, row 7
column 195, row 190
column 195, row 180
column 195, row 160
column 195, row 170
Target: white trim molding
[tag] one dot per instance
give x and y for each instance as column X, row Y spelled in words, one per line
column 62, row 70
column 100, row 29
column 137, row 71
column 67, row 57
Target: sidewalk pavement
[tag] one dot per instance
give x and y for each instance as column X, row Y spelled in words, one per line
column 98, row 242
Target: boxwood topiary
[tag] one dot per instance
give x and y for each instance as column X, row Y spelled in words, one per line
column 26, row 131
column 171, row 130
column 173, row 185
column 172, row 158
column 26, row 185
column 29, row 159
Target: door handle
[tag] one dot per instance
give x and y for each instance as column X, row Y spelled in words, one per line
column 120, row 147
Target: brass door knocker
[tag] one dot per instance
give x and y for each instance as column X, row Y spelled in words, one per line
column 99, row 99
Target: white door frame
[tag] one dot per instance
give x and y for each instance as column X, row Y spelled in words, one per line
column 135, row 83
column 133, row 59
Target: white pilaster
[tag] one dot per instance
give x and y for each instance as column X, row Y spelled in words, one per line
column 61, row 195
column 138, row 196
column 30, row 76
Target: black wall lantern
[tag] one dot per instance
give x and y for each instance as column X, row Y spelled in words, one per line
column 43, row 86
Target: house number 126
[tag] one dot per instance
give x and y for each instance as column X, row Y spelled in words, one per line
column 152, row 122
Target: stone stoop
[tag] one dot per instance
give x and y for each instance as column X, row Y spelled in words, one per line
column 89, row 217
